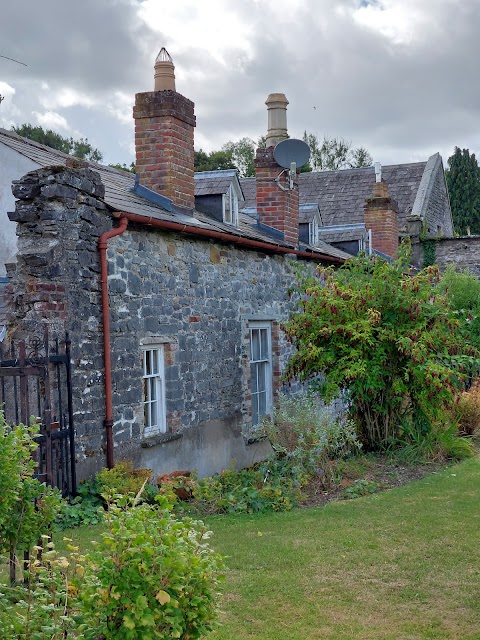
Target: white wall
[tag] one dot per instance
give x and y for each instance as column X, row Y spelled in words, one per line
column 12, row 167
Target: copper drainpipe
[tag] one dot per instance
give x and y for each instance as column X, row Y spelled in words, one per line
column 102, row 247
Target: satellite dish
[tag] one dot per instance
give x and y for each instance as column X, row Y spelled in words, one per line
column 291, row 150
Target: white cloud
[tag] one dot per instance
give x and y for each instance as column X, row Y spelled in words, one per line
column 64, row 98
column 52, row 120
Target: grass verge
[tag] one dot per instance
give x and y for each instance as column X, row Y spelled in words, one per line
column 399, row 565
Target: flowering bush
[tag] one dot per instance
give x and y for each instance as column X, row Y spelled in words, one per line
column 384, row 335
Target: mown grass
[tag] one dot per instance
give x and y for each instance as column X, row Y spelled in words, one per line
column 403, row 565
column 399, row 565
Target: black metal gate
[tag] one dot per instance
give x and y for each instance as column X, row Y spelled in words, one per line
column 35, row 382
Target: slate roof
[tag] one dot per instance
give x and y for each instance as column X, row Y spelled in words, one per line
column 341, row 194
column 208, row 183
column 342, row 233
column 119, row 197
column 306, row 212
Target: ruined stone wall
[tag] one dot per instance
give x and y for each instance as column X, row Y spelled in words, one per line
column 59, row 217
column 194, row 296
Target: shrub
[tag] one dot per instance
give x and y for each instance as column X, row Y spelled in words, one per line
column 27, row 506
column 462, row 290
column 46, row 606
column 361, row 487
column 151, row 577
column 309, row 436
column 385, row 336
column 467, row 411
column 267, row 487
column 85, row 508
column 439, row 444
column 123, row 479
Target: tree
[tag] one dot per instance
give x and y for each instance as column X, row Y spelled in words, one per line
column 123, row 167
column 385, row 337
column 463, row 182
column 214, row 161
column 233, row 155
column 80, row 148
column 335, row 153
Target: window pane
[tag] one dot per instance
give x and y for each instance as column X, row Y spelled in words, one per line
column 146, row 414
column 153, row 389
column 255, row 410
column 262, row 403
column 255, row 344
column 262, row 376
column 228, row 208
column 155, row 361
column 263, row 344
column 154, row 414
column 253, row 378
column 148, row 362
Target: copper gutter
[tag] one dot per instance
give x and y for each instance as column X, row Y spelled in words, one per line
column 102, row 247
column 228, row 237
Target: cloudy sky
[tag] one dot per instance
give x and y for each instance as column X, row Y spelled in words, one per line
column 399, row 77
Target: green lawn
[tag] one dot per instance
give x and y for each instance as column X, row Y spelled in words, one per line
column 399, row 565
column 404, row 564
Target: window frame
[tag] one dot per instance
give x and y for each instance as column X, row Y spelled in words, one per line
column 314, row 231
column 252, row 326
column 158, row 378
column 231, row 197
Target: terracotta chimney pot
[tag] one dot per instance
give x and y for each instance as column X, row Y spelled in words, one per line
column 164, row 72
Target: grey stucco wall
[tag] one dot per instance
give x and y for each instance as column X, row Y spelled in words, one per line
column 194, row 296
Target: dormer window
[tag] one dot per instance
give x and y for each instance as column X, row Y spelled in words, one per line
column 309, row 223
column 217, row 194
column 230, row 207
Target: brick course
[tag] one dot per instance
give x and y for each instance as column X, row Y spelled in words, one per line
column 276, row 208
column 164, row 138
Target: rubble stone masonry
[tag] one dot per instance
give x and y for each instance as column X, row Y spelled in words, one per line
column 194, row 296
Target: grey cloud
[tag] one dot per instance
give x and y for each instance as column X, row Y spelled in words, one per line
column 401, row 101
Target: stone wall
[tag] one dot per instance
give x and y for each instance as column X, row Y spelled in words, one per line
column 59, row 217
column 197, row 298
column 463, row 253
column 194, row 296
column 437, row 218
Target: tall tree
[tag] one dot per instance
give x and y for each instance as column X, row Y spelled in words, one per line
column 80, row 148
column 330, row 154
column 242, row 154
column 463, row 181
column 214, row 161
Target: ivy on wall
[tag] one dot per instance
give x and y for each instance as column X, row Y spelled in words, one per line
column 429, row 252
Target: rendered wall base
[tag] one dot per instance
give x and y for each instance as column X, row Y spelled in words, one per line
column 208, row 448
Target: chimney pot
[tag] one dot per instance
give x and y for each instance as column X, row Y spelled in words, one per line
column 164, row 71
column 277, row 118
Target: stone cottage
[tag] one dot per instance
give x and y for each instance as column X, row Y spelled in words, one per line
column 174, row 314
column 173, row 286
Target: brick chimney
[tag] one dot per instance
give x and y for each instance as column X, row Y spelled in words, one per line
column 277, row 207
column 381, row 217
column 164, row 125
